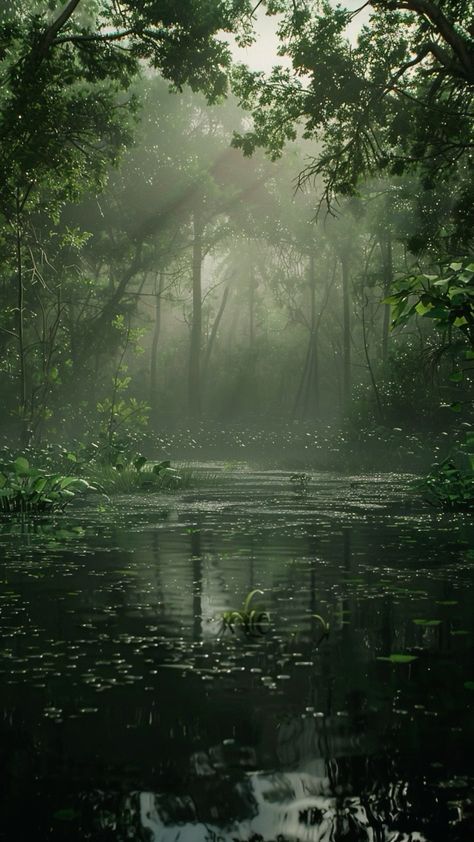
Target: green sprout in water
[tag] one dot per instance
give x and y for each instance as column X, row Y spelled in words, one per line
column 253, row 620
column 324, row 623
column 300, row 481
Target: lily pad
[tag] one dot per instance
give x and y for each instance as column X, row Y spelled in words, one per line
column 67, row 814
column 421, row 622
column 397, row 658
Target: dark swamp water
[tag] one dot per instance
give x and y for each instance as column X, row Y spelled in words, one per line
column 128, row 713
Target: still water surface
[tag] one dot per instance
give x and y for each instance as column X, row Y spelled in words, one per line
column 129, row 713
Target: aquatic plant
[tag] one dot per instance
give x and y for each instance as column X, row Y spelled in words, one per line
column 324, row 623
column 137, row 477
column 25, row 489
column 253, row 620
column 300, row 481
column 398, row 658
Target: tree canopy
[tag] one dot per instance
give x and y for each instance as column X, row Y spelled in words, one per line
column 397, row 100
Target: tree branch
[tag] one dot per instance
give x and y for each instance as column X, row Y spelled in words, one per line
column 443, row 27
column 50, row 33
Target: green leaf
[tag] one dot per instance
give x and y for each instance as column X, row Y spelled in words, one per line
column 21, row 465
column 67, row 814
column 161, row 466
column 460, row 321
column 421, row 622
column 249, row 598
column 422, row 308
column 453, row 291
column 398, row 658
column 456, row 376
column 469, row 685
column 392, row 299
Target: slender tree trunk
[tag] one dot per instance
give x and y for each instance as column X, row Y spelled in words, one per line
column 214, row 329
column 368, row 360
column 387, row 261
column 252, row 287
column 194, row 382
column 22, row 403
column 314, row 382
column 302, row 382
column 154, row 349
column 346, row 339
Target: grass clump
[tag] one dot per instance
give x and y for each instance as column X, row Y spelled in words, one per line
column 141, row 477
column 252, row 620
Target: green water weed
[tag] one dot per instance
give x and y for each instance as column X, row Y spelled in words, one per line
column 252, row 619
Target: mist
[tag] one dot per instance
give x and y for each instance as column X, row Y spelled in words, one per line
column 236, row 421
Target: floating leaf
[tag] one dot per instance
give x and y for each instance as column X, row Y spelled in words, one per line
column 67, row 814
column 397, row 658
column 469, row 685
column 421, row 622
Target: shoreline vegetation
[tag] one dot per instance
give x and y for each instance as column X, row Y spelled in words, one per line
column 48, row 478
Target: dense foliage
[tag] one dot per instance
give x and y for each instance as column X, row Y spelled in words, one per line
column 156, row 277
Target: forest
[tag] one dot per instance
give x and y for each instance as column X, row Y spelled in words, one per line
column 236, row 420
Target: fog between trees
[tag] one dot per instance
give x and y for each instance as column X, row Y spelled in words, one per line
column 172, row 257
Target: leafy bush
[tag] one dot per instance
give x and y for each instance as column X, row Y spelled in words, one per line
column 450, row 486
column 25, row 489
column 446, row 298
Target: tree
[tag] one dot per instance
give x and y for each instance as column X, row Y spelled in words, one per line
column 65, row 117
column 397, row 101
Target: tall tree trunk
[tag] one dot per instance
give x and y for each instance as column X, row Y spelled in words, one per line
column 214, row 329
column 387, row 262
column 252, row 288
column 22, row 397
column 380, row 410
column 302, row 382
column 194, row 382
column 154, row 348
column 309, row 390
column 314, row 383
column 346, row 329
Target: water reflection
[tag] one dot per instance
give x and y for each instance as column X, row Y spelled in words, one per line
column 128, row 716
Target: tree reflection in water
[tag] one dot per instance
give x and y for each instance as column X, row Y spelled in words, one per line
column 283, row 807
